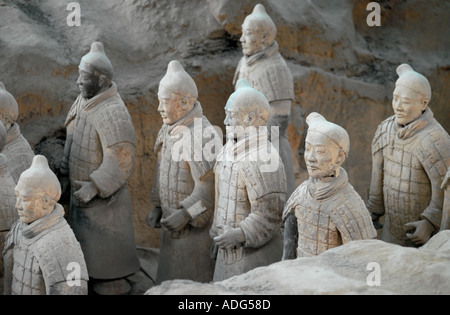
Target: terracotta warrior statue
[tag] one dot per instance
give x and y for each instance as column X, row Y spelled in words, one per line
column 410, row 157
column 445, row 225
column 8, row 213
column 266, row 70
column 99, row 158
column 250, row 189
column 42, row 255
column 183, row 190
column 325, row 211
column 17, row 149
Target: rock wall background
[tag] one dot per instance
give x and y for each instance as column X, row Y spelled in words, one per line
column 342, row 68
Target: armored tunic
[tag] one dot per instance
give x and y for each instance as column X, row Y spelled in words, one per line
column 329, row 213
column 409, row 164
column 250, row 194
column 100, row 148
column 8, row 212
column 43, row 257
column 268, row 73
column 185, row 180
column 18, row 152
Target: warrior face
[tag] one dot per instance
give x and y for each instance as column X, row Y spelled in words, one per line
column 89, row 84
column 240, row 120
column 233, row 123
column 253, row 40
column 172, row 107
column 408, row 105
column 323, row 157
column 31, row 203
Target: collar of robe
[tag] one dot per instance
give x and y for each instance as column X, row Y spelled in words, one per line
column 268, row 52
column 328, row 187
column 413, row 128
column 87, row 104
column 36, row 228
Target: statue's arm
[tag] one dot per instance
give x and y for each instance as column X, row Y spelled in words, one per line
column 115, row 169
column 375, row 203
column 290, row 238
column 200, row 203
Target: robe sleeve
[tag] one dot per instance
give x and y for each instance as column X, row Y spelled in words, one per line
column 115, row 170
column 437, row 157
column 200, row 203
column 267, row 196
column 375, row 203
column 67, row 146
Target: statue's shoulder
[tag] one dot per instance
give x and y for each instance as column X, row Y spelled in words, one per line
column 434, row 148
column 57, row 252
column 113, row 122
column 350, row 215
column 385, row 130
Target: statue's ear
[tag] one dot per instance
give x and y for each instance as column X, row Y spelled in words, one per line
column 49, row 203
column 250, row 119
column 103, row 81
column 265, row 38
column 186, row 104
column 341, row 157
column 425, row 102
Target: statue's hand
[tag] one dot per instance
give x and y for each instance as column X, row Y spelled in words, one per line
column 177, row 219
column 422, row 233
column 376, row 221
column 87, row 191
column 230, row 238
column 153, row 218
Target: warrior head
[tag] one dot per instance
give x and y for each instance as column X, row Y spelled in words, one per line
column 9, row 110
column 258, row 31
column 327, row 147
column 411, row 96
column 37, row 191
column 96, row 72
column 177, row 93
column 246, row 107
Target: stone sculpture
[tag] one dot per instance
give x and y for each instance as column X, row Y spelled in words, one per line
column 99, row 159
column 8, row 213
column 42, row 255
column 410, row 156
column 183, row 190
column 266, row 70
column 325, row 211
column 250, row 189
column 445, row 224
column 17, row 149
